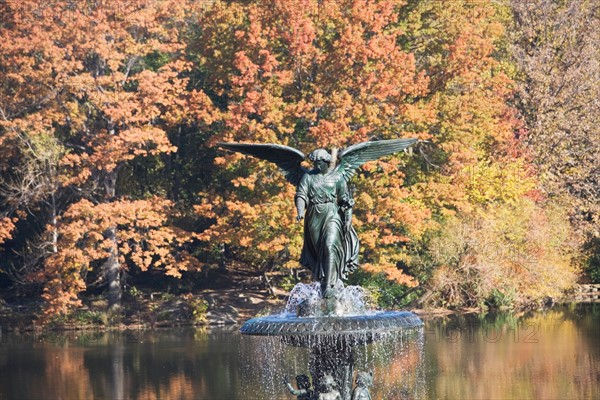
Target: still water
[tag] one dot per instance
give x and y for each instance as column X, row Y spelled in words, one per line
column 552, row 354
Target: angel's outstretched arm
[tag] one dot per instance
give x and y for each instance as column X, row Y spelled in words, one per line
column 301, row 198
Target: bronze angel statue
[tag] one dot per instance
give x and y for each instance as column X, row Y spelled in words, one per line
column 323, row 200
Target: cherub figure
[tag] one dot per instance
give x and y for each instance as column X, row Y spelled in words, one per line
column 330, row 389
column 323, row 200
column 304, row 391
column 363, row 381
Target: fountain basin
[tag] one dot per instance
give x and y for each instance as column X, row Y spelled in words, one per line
column 356, row 328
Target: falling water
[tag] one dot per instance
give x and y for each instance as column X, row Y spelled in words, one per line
column 396, row 362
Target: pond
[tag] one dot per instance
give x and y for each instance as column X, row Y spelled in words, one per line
column 550, row 354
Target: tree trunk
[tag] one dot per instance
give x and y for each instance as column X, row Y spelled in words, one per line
column 112, row 271
column 111, row 268
column 54, row 224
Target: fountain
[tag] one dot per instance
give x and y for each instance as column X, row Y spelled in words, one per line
column 327, row 317
column 330, row 337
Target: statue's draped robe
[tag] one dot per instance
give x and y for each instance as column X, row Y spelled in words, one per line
column 329, row 251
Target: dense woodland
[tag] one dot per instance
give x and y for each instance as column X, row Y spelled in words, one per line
column 112, row 185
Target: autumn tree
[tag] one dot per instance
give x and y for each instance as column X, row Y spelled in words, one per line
column 485, row 173
column 144, row 237
column 556, row 49
column 104, row 80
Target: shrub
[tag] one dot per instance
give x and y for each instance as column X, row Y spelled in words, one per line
column 383, row 292
column 197, row 308
column 501, row 256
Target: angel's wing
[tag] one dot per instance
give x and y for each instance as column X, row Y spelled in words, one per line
column 286, row 158
column 356, row 155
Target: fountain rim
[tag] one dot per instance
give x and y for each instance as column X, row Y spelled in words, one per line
column 381, row 322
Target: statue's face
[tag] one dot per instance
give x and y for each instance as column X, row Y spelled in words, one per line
column 321, row 165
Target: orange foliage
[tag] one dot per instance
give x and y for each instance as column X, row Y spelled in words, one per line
column 145, row 239
column 7, row 226
column 82, row 71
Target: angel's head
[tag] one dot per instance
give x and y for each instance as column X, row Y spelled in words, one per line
column 321, row 159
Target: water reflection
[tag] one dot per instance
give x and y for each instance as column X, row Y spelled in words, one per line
column 548, row 355
column 183, row 364
column 545, row 355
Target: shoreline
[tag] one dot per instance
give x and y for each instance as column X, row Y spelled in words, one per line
column 231, row 307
